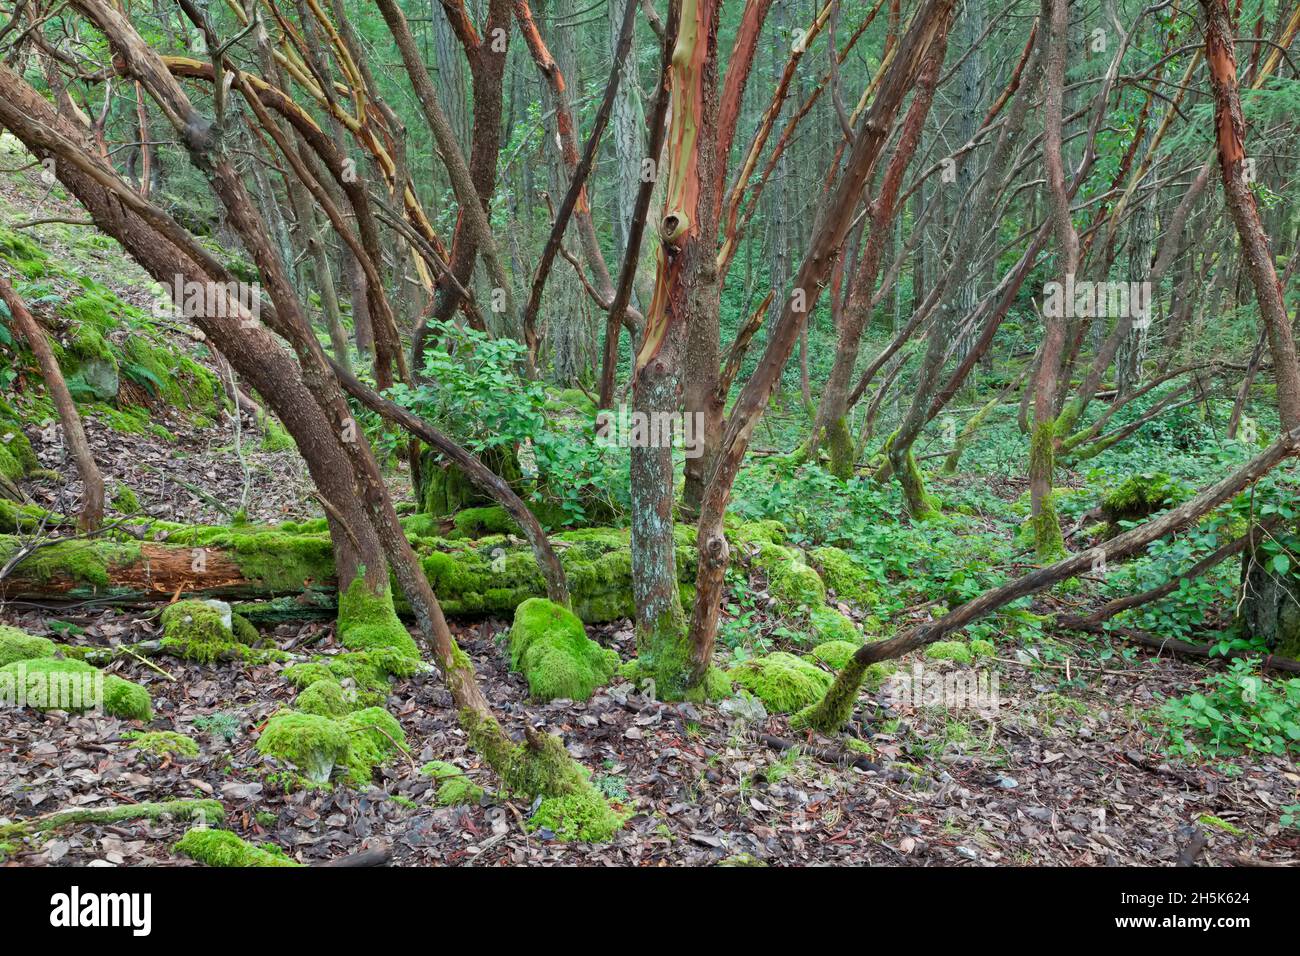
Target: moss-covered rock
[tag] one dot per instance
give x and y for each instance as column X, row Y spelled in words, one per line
column 16, row 645
column 550, row 647
column 222, row 848
column 490, row 519
column 198, row 630
column 783, row 682
column 317, row 745
column 455, row 788
column 310, row 742
column 72, row 685
column 367, row 672
column 834, row 653
column 374, row 737
column 1140, row 496
column 829, row 624
column 162, row 743
column 963, row 652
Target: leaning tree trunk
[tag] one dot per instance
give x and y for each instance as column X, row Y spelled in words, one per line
column 92, row 483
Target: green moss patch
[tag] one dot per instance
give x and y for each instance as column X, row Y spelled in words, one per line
column 223, row 848
column 16, row 645
column 845, row 576
column 834, row 653
column 454, row 787
column 162, row 743
column 585, row 816
column 74, row 686
column 316, row 745
column 326, row 698
column 1140, row 496
column 549, row 645
column 783, row 682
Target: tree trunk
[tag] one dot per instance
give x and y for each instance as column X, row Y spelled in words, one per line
column 91, row 515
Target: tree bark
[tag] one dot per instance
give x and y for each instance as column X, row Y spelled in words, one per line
column 91, row 515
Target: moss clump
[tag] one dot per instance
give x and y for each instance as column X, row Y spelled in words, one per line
column 834, row 654
column 73, row 685
column 368, row 621
column 199, row 630
column 374, row 736
column 783, row 682
column 957, row 651
column 223, row 848
column 454, row 787
column 1140, row 496
column 327, row 698
column 243, row 629
column 312, row 743
column 585, row 816
column 791, row 581
column 124, row 500
column 549, row 645
column 162, row 743
column 477, row 522
column 16, row 645
column 845, row 577
column 367, row 671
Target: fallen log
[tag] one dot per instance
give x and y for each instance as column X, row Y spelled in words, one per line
column 291, row 568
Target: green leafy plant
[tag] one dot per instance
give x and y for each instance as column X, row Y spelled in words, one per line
column 1237, row 711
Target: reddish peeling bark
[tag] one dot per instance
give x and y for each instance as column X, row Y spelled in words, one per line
column 685, row 252
column 1230, row 138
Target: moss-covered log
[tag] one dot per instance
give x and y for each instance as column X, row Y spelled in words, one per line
column 295, row 564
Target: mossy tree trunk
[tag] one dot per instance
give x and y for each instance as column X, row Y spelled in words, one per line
column 1048, row 542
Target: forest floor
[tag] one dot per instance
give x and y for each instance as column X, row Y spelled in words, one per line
column 1068, row 769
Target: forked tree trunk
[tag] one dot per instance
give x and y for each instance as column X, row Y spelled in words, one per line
column 833, row 222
